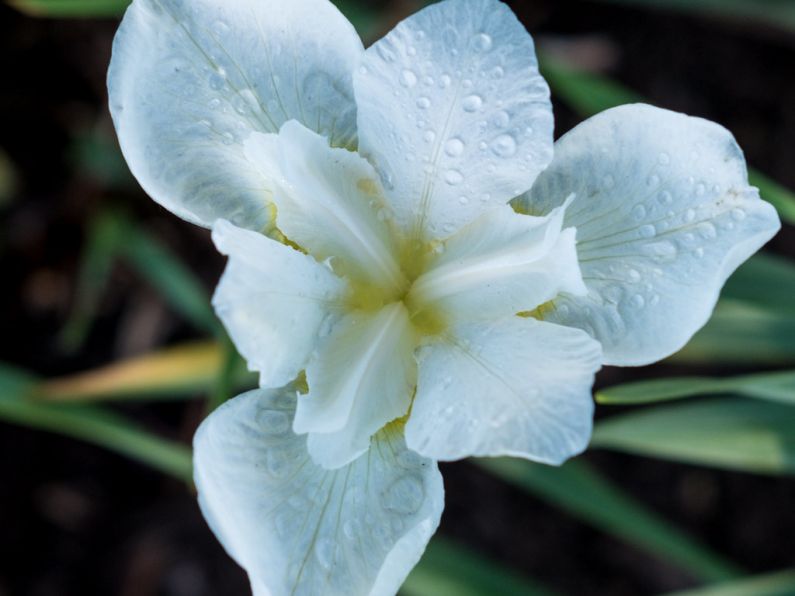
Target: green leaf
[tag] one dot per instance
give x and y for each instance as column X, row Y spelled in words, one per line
column 578, row 489
column 96, row 263
column 170, row 277
column 185, row 370
column 71, row 8
column 447, row 568
column 91, row 424
column 742, row 334
column 766, row 281
column 781, row 583
column 590, row 93
column 776, row 386
column 734, row 433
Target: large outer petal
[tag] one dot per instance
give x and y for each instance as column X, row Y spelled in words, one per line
column 190, row 79
column 501, row 264
column 517, row 386
column 361, row 377
column 274, row 301
column 664, row 214
column 329, row 201
column 454, row 112
column 299, row 529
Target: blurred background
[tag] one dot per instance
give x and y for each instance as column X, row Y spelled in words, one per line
column 111, row 355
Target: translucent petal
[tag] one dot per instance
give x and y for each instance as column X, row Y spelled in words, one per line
column 189, row 81
column 455, row 114
column 516, row 386
column 501, row 264
column 664, row 214
column 362, row 376
column 300, row 529
column 329, row 201
column 274, row 301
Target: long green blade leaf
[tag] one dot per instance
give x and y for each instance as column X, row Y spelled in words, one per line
column 590, row 93
column 71, row 8
column 781, row 583
column 580, row 490
column 447, row 568
column 777, row 386
column 170, row 277
column 180, row 371
column 734, row 433
column 744, row 335
column 91, row 424
column 766, row 281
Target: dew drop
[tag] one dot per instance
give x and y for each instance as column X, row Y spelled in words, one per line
column 408, row 78
column 707, row 230
column 738, row 214
column 411, row 51
column 637, row 301
column 699, row 252
column 277, row 463
column 350, row 529
column 453, row 177
column 325, row 552
column 217, row 81
column 215, row 103
column 664, row 158
column 404, row 495
column 638, row 212
column 454, row 147
column 472, row 103
column 220, row 28
column 647, row 231
column 497, row 72
column 633, row 275
column 501, row 119
column 482, row 42
column 429, row 136
column 665, row 198
column 690, row 215
column 463, row 200
column 700, row 189
column 427, row 80
column 423, row 103
column 653, row 180
column 504, row 146
column 444, row 81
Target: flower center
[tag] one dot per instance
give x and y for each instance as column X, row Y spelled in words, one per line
column 413, row 259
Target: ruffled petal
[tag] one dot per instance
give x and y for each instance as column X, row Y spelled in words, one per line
column 362, row 376
column 190, row 79
column 664, row 214
column 517, row 386
column 501, row 264
column 274, row 301
column 455, row 114
column 329, row 201
column 297, row 528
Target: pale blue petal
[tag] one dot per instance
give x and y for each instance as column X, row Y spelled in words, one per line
column 298, row 529
column 516, row 386
column 274, row 301
column 664, row 214
column 453, row 111
column 190, row 79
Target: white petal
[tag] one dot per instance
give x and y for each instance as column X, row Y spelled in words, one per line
column 361, row 377
column 501, row 264
column 453, row 110
column 299, row 529
column 517, row 386
column 664, row 214
column 329, row 201
column 274, row 301
column 190, row 79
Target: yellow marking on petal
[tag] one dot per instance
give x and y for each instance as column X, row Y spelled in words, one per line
column 540, row 312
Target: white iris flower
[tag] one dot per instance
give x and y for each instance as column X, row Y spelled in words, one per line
column 413, row 270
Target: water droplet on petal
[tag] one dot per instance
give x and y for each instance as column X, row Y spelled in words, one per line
column 423, row 103
column 738, row 214
column 482, row 42
column 504, row 146
column 454, row 147
column 405, row 495
column 408, row 78
column 325, row 552
column 453, row 177
column 664, row 158
column 647, row 231
column 472, row 103
column 637, row 301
